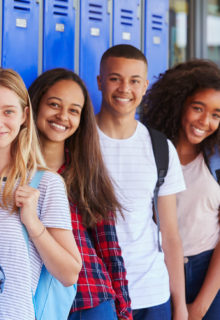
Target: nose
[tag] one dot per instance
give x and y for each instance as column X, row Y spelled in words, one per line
column 204, row 119
column 62, row 114
column 124, row 86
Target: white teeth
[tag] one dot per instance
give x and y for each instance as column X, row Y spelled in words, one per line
column 199, row 130
column 122, row 99
column 53, row 124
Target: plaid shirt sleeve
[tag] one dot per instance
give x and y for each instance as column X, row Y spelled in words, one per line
column 108, row 249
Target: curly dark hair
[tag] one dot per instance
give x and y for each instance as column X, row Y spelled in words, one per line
column 163, row 104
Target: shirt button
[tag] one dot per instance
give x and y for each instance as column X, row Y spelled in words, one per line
column 186, row 260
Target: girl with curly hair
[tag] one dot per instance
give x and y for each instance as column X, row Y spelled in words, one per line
column 185, row 105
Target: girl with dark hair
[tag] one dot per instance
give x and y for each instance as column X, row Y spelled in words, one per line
column 70, row 144
column 185, row 105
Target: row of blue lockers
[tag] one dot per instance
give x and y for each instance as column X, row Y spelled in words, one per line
column 38, row 35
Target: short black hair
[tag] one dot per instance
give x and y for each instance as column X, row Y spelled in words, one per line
column 123, row 51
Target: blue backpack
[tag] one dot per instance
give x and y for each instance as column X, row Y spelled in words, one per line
column 52, row 301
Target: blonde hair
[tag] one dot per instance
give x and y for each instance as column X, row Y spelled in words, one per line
column 25, row 149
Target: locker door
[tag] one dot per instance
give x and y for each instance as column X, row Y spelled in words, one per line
column 94, row 40
column 156, row 37
column 58, row 34
column 20, row 37
column 126, row 22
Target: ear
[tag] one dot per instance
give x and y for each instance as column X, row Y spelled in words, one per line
column 145, row 86
column 25, row 114
column 99, row 82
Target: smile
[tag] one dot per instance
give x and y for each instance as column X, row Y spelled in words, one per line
column 58, row 126
column 122, row 99
column 198, row 131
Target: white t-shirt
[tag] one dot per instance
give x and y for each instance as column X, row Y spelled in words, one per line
column 21, row 272
column 132, row 167
column 197, row 208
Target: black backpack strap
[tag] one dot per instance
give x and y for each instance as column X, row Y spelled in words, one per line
column 213, row 163
column 161, row 155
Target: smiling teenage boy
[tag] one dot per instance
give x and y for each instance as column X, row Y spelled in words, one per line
column 128, row 155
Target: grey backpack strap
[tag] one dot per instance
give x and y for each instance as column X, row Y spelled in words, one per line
column 161, row 155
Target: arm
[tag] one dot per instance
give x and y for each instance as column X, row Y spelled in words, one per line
column 56, row 247
column 172, row 248
column 107, row 248
column 209, row 289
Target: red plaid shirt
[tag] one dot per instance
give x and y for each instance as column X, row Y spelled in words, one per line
column 103, row 274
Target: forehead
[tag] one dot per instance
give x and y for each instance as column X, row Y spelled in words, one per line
column 7, row 96
column 124, row 67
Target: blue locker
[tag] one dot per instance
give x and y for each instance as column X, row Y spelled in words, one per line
column 94, row 40
column 58, row 34
column 156, row 37
column 20, row 37
column 126, row 22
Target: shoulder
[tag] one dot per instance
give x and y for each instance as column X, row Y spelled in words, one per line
column 51, row 182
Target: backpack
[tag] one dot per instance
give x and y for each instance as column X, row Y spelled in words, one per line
column 52, row 301
column 161, row 155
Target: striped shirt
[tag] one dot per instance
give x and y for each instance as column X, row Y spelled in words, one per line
column 21, row 271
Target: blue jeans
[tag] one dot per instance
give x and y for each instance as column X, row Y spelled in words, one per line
column 160, row 312
column 195, row 271
column 104, row 311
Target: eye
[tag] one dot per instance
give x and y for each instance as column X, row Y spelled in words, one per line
column 135, row 81
column 54, row 105
column 114, row 79
column 76, row 111
column 197, row 108
column 9, row 111
column 216, row 116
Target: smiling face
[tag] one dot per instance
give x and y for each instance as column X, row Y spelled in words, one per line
column 60, row 111
column 12, row 116
column 123, row 84
column 201, row 116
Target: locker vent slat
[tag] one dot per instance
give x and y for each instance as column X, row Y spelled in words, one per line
column 22, row 5
column 60, row 7
column 127, row 17
column 157, row 22
column 95, row 12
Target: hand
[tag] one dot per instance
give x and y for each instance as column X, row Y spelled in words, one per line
column 26, row 198
column 194, row 312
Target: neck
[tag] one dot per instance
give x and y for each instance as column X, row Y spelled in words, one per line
column 120, row 127
column 187, row 152
column 53, row 153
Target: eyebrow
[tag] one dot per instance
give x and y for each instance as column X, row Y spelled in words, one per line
column 74, row 104
column 203, row 104
column 119, row 75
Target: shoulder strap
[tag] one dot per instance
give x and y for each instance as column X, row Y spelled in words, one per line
column 34, row 184
column 213, row 164
column 161, row 155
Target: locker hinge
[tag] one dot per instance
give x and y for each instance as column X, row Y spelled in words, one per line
column 109, row 6
column 75, row 4
column 139, row 11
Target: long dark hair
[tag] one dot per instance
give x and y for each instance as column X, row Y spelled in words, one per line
column 87, row 180
column 163, row 105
